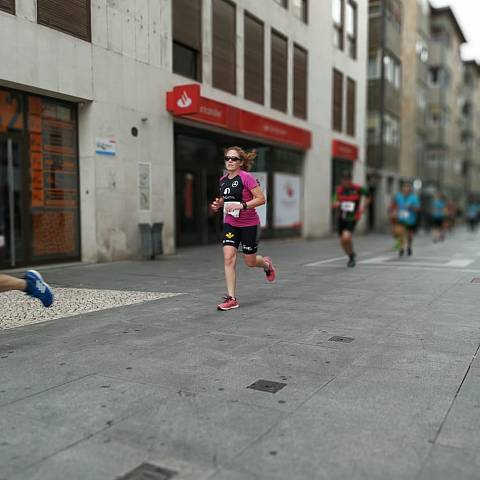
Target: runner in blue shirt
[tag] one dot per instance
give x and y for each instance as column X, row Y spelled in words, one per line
column 405, row 208
column 472, row 214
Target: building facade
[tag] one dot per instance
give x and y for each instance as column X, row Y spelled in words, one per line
column 115, row 114
column 385, row 58
column 444, row 167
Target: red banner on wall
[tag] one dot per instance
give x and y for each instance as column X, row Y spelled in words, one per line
column 345, row 151
column 185, row 101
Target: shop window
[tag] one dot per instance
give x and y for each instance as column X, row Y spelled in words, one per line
column 69, row 17
column 254, row 69
column 7, row 6
column 338, row 23
column 223, row 48
column 53, row 156
column 351, row 110
column 187, row 38
column 300, row 83
column 351, row 24
column 279, row 69
column 337, row 101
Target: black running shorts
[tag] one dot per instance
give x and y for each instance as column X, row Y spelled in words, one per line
column 348, row 225
column 247, row 236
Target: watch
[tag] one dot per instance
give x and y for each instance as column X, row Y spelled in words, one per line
column 244, row 204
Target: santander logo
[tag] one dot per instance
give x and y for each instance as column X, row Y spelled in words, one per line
column 184, row 101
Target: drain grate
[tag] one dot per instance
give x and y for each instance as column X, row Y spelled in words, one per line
column 341, row 339
column 147, row 471
column 475, row 280
column 267, row 386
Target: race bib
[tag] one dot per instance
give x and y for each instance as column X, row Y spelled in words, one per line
column 403, row 214
column 347, row 207
column 234, row 213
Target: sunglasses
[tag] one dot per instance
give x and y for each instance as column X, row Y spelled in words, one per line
column 233, row 159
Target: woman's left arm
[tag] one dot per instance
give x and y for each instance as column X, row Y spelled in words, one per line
column 258, row 198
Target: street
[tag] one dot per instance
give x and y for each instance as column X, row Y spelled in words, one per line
column 376, row 367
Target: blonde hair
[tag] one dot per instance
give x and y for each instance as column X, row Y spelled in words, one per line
column 248, row 158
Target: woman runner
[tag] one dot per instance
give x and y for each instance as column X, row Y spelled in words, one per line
column 240, row 194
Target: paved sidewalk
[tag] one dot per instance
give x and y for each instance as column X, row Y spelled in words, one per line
column 163, row 379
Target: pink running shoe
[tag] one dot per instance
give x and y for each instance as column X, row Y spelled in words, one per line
column 270, row 273
column 228, row 304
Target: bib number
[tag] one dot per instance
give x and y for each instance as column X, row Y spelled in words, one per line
column 404, row 214
column 347, row 207
column 233, row 213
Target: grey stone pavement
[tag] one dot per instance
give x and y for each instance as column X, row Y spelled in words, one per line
column 163, row 381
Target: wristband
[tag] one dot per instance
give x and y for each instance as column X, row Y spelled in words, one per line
column 244, row 204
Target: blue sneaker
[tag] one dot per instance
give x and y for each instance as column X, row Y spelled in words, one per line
column 37, row 288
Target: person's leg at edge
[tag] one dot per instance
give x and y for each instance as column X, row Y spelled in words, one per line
column 230, row 260
column 8, row 283
column 410, row 235
column 346, row 242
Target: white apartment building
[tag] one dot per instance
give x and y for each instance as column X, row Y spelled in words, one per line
column 115, row 113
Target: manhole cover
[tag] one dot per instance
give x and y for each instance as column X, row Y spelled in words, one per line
column 475, row 280
column 267, row 386
column 147, row 471
column 341, row 339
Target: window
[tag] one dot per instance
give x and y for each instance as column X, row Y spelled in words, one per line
column 187, row 38
column 7, row 6
column 374, row 66
column 224, row 63
column 300, row 69
column 422, row 50
column 351, row 100
column 439, row 34
column 283, row 3
column 422, row 97
column 254, row 59
column 391, row 133
column 394, row 15
column 438, row 117
column 438, row 77
column 68, row 17
column 279, row 68
column 392, row 70
column 375, row 8
column 351, row 28
column 300, row 9
column 337, row 101
column 338, row 23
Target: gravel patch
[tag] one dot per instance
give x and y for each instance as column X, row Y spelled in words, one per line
column 17, row 309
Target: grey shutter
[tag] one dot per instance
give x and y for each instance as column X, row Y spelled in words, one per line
column 187, row 23
column 254, row 69
column 300, row 86
column 279, row 71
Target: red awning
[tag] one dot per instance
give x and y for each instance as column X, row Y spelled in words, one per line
column 186, row 101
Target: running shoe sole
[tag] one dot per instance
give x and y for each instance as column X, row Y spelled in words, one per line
column 223, row 309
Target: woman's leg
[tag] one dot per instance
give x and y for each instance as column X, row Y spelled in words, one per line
column 11, row 283
column 229, row 260
column 254, row 260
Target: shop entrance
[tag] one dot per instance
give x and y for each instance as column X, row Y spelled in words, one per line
column 196, row 186
column 12, row 208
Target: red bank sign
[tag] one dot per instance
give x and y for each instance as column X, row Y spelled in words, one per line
column 186, row 101
column 344, row 150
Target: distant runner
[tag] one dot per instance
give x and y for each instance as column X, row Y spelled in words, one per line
column 346, row 202
column 239, row 195
column 405, row 208
column 32, row 284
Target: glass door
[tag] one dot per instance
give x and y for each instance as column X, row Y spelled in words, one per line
column 12, row 210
